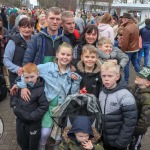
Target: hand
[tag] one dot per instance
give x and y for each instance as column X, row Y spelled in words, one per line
column 72, row 68
column 74, row 77
column 25, row 94
column 87, row 145
column 19, row 72
column 14, row 89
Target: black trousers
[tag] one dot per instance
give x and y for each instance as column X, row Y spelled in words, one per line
column 136, row 142
column 107, row 147
column 28, row 135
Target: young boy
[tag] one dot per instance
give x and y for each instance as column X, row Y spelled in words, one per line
column 89, row 69
column 142, row 95
column 107, row 52
column 119, row 113
column 29, row 113
column 80, row 136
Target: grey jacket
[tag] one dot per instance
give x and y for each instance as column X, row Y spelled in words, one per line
column 119, row 115
column 117, row 54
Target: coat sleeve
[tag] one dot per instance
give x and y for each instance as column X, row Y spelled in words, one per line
column 129, row 113
column 31, row 50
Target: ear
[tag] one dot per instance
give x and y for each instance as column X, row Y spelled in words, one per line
column 118, row 76
column 148, row 83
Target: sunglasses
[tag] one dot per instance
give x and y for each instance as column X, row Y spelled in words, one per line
column 24, row 9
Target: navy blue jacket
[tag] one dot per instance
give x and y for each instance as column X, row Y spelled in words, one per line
column 145, row 34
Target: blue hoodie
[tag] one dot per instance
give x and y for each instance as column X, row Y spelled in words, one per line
column 145, row 34
column 81, row 124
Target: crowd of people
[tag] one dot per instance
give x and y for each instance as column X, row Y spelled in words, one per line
column 48, row 55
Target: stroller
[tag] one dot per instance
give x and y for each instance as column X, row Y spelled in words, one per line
column 76, row 105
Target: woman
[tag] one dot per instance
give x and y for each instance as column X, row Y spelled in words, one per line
column 89, row 36
column 15, row 49
column 105, row 30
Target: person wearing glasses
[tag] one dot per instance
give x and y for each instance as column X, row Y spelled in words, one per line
column 23, row 11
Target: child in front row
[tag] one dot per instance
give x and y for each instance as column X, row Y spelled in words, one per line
column 89, row 69
column 82, row 135
column 58, row 84
column 29, row 114
column 107, row 52
column 119, row 113
column 142, row 96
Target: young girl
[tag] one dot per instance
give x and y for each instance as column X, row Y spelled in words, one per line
column 89, row 69
column 58, row 84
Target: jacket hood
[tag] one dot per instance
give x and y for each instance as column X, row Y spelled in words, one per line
column 147, row 27
column 45, row 33
column 103, row 27
column 81, row 124
column 145, row 90
column 121, row 84
column 80, row 66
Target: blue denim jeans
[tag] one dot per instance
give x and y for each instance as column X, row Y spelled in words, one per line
column 146, row 50
column 133, row 59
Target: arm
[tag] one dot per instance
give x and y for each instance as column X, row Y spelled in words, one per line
column 129, row 113
column 8, row 57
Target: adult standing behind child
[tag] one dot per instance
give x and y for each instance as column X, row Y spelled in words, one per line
column 142, row 96
column 58, row 84
column 29, row 113
column 89, row 69
column 119, row 113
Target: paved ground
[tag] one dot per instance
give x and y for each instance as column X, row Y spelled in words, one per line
column 8, row 141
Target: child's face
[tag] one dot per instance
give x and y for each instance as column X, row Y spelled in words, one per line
column 109, row 78
column 30, row 77
column 106, row 48
column 82, row 137
column 89, row 59
column 64, row 56
column 141, row 82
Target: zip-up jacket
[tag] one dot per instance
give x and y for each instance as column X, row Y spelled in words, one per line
column 119, row 115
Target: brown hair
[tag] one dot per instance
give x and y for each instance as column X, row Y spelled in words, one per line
column 104, row 40
column 27, row 22
column 67, row 14
column 106, row 19
column 90, row 48
column 89, row 29
column 29, row 68
column 54, row 10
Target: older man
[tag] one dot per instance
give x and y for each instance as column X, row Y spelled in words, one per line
column 129, row 42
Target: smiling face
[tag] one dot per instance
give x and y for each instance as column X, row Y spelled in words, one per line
column 109, row 78
column 90, row 38
column 64, row 56
column 106, row 48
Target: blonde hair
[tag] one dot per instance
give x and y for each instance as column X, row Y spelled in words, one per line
column 104, row 40
column 90, row 48
column 106, row 19
column 29, row 68
column 67, row 14
column 111, row 65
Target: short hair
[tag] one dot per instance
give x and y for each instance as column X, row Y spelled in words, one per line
column 27, row 22
column 30, row 68
column 111, row 65
column 90, row 48
column 67, row 14
column 147, row 22
column 54, row 10
column 106, row 19
column 104, row 40
column 23, row 6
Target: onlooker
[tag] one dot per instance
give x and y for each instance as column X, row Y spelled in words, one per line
column 119, row 113
column 142, row 96
column 4, row 18
column 29, row 114
column 145, row 34
column 89, row 36
column 42, row 47
column 68, row 24
column 89, row 19
column 129, row 42
column 104, row 28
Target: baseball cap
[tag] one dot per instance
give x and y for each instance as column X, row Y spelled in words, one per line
column 145, row 73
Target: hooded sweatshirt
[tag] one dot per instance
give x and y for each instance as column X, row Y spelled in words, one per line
column 145, row 34
column 105, row 30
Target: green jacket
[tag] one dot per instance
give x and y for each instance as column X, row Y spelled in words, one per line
column 142, row 97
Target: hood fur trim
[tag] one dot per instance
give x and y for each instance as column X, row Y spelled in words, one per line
column 67, row 139
column 80, row 66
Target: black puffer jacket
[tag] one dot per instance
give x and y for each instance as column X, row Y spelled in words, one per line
column 91, row 81
column 119, row 115
column 34, row 109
